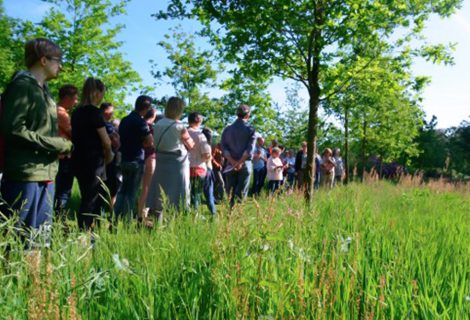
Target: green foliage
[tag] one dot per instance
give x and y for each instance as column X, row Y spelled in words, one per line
column 302, row 40
column 357, row 254
column 11, row 54
column 194, row 70
column 434, row 150
column 443, row 152
column 252, row 90
column 382, row 105
column 459, row 146
column 292, row 119
column 83, row 31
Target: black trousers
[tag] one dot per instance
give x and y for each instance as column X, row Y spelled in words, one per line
column 92, row 193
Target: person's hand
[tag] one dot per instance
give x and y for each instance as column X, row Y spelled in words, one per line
column 238, row 166
column 108, row 157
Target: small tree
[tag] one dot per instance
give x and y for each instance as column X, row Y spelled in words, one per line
column 83, row 30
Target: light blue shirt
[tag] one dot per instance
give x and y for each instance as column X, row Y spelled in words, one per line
column 259, row 163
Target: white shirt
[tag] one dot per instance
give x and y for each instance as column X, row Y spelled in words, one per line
column 201, row 147
column 274, row 171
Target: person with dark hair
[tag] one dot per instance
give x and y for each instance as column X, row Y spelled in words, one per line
column 209, row 181
column 274, row 144
column 238, row 144
column 171, row 178
column 301, row 165
column 68, row 98
column 149, row 166
column 32, row 144
column 327, row 167
column 290, row 161
column 199, row 155
column 260, row 157
column 135, row 136
column 218, row 163
column 92, row 152
column 112, row 181
column 339, row 166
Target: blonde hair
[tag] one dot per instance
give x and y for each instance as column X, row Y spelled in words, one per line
column 327, row 150
column 174, row 108
column 276, row 150
column 90, row 87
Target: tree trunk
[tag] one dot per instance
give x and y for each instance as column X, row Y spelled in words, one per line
column 313, row 67
column 346, row 145
column 312, row 142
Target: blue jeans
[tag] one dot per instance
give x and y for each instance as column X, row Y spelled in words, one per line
column 197, row 188
column 209, row 191
column 259, row 175
column 238, row 182
column 132, row 173
column 290, row 179
column 274, row 185
column 32, row 201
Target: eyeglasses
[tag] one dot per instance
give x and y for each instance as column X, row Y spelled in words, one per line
column 56, row 59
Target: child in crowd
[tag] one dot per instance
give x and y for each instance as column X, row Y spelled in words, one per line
column 275, row 168
column 199, row 155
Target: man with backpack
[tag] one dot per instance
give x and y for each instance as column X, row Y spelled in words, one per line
column 29, row 127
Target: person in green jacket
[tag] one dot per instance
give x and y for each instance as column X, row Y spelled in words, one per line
column 32, row 145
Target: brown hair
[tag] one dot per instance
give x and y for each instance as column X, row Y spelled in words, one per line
column 91, row 86
column 67, row 90
column 327, row 150
column 174, row 108
column 37, row 48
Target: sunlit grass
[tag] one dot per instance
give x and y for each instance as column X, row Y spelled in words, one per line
column 361, row 252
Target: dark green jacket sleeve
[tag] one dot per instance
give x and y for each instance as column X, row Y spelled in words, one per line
column 20, row 126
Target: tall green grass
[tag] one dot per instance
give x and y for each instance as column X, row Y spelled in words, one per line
column 361, row 252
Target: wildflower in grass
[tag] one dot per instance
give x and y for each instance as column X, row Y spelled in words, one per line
column 345, row 244
column 290, row 244
column 467, row 298
column 121, row 264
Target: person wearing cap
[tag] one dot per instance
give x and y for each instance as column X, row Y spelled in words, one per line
column 238, row 144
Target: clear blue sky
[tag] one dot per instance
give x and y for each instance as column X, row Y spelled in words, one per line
column 448, row 96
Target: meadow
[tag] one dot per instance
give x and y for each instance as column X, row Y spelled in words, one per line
column 365, row 251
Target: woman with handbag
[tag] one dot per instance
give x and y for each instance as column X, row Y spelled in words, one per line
column 170, row 183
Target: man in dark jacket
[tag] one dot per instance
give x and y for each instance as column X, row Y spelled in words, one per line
column 135, row 136
column 238, row 144
column 300, row 165
column 32, row 145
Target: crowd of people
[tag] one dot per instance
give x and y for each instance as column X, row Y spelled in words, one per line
column 174, row 166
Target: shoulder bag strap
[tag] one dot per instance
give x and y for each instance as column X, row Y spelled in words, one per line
column 163, row 134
